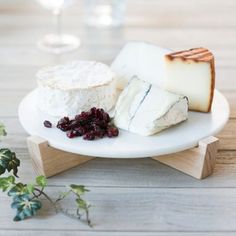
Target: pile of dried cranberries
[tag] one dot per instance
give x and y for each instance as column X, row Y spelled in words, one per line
column 94, row 124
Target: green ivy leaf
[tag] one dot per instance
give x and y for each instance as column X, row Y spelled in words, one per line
column 18, row 189
column 30, row 188
column 82, row 204
column 78, row 189
column 8, row 161
column 2, row 170
column 2, row 130
column 25, row 206
column 41, row 181
column 7, row 183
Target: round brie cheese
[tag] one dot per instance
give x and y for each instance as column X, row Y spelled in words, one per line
column 69, row 89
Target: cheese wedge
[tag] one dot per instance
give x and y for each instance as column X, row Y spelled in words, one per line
column 69, row 89
column 141, row 59
column 192, row 73
column 145, row 109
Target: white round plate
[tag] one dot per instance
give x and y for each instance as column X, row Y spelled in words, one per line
column 127, row 145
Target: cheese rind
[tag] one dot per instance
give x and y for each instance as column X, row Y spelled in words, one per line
column 192, row 74
column 141, row 59
column 145, row 109
column 69, row 89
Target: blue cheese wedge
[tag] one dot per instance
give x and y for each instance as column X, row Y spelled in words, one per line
column 146, row 109
column 141, row 59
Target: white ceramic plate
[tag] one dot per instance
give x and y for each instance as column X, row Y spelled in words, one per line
column 127, row 145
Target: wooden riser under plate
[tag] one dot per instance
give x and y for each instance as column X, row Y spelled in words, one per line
column 197, row 162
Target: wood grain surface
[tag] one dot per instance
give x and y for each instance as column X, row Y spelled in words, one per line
column 129, row 197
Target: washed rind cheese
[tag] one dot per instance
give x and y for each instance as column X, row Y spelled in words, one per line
column 146, row 109
column 141, row 59
column 192, row 73
column 69, row 89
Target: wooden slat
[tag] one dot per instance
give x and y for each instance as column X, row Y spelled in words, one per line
column 9, row 102
column 49, row 161
column 97, row 233
column 198, row 162
column 228, row 136
column 135, row 173
column 231, row 97
column 18, row 77
column 226, row 79
column 143, row 209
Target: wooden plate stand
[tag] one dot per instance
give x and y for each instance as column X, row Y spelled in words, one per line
column 197, row 162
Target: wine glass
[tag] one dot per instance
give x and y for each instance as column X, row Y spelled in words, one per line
column 105, row 13
column 57, row 42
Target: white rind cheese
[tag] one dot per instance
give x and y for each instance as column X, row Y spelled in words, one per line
column 141, row 59
column 145, row 109
column 69, row 89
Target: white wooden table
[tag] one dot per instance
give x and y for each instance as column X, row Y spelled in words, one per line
column 129, row 197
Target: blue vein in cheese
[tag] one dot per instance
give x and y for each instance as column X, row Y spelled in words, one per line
column 144, row 97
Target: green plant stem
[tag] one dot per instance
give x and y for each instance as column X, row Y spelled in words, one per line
column 40, row 192
column 66, row 213
column 61, row 210
column 87, row 218
column 46, row 196
column 86, row 212
column 62, row 197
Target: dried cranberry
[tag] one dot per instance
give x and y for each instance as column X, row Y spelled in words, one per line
column 83, row 122
column 80, row 130
column 83, row 116
column 64, row 120
column 63, row 127
column 95, row 127
column 77, row 117
column 101, row 123
column 72, row 133
column 100, row 134
column 106, row 117
column 63, row 124
column 93, row 111
column 83, row 119
column 73, row 124
column 47, row 124
column 112, row 132
column 92, row 124
column 89, row 136
column 98, row 114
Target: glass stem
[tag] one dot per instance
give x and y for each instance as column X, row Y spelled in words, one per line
column 57, row 16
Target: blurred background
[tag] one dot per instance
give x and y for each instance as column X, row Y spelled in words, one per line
column 173, row 24
column 102, row 27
